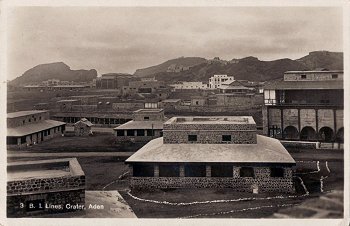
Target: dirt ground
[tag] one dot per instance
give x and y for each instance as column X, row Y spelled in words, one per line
column 312, row 166
column 98, row 142
column 320, row 170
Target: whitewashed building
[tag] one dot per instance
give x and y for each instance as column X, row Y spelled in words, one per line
column 218, row 81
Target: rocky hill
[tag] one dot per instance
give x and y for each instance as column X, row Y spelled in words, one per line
column 58, row 70
column 251, row 68
column 323, row 59
column 163, row 67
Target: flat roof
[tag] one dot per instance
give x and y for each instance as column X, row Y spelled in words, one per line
column 308, row 72
column 171, row 100
column 211, row 120
column 23, row 113
column 267, row 150
column 301, row 84
column 149, row 110
column 25, row 170
column 62, row 101
column 141, row 125
column 32, row 128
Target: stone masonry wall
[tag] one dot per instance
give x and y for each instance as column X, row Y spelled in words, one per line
column 284, row 185
column 262, row 181
column 211, row 137
column 45, row 185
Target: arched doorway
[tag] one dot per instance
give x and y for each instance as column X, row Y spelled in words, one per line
column 326, row 134
column 308, row 133
column 290, row 133
column 340, row 136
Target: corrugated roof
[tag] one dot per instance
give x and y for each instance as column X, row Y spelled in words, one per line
column 23, row 113
column 141, row 125
column 267, row 150
column 305, row 85
column 32, row 128
column 315, row 71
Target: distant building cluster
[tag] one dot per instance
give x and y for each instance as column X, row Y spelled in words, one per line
column 177, row 68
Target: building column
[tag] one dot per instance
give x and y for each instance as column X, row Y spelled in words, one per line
column 145, row 131
column 156, row 170
column 135, row 133
column 182, row 171
column 316, row 115
column 208, row 170
column 335, row 124
column 236, row 172
column 131, row 170
column 18, row 141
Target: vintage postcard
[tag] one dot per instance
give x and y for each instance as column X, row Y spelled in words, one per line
column 175, row 113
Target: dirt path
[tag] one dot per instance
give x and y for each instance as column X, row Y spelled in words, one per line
column 68, row 154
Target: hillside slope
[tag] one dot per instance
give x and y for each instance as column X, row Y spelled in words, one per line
column 58, row 70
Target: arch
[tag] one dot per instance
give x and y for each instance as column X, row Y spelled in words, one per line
column 340, row 135
column 326, row 134
column 291, row 133
column 308, row 133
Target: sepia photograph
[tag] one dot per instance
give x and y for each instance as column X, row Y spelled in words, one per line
column 175, row 112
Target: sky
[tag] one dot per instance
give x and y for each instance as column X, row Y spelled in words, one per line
column 123, row 39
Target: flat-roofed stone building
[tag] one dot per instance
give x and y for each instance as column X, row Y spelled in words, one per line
column 30, row 127
column 44, row 186
column 213, row 152
column 146, row 125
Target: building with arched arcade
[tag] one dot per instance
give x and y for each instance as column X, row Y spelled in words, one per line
column 305, row 105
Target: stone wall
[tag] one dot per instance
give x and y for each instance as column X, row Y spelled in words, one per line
column 27, row 119
column 262, row 180
column 39, row 185
column 152, row 116
column 315, row 76
column 210, row 137
column 284, row 185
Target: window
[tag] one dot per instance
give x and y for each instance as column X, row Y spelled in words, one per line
column 192, row 137
column 130, row 132
column 140, row 170
column 276, row 172
column 146, row 118
column 334, row 76
column 120, row 133
column 246, row 172
column 197, row 102
column 24, row 121
column 48, row 132
column 150, row 132
column 169, row 171
column 195, row 171
column 140, row 132
column 303, row 76
column 39, row 117
column 221, row 171
column 34, row 119
column 226, row 138
column 29, row 120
